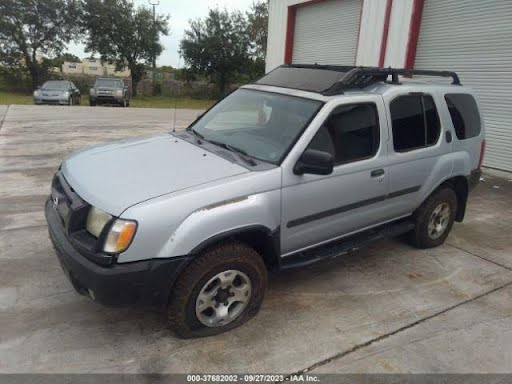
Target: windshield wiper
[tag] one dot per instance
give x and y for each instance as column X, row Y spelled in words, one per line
column 197, row 135
column 241, row 153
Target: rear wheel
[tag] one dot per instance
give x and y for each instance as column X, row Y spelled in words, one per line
column 218, row 291
column 434, row 219
column 92, row 103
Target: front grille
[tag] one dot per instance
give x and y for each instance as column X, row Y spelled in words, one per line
column 71, row 207
column 73, row 211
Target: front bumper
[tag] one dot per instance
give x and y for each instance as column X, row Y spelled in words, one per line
column 106, row 99
column 146, row 283
column 51, row 100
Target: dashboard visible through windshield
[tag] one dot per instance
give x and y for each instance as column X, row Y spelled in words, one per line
column 261, row 124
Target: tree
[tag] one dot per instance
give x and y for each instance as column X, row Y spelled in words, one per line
column 257, row 18
column 124, row 35
column 217, row 46
column 30, row 28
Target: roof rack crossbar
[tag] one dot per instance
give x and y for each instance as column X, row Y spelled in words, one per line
column 360, row 77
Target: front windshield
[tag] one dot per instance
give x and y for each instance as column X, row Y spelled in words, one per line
column 56, row 85
column 262, row 124
column 112, row 83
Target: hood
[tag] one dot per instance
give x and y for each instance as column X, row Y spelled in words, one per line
column 116, row 176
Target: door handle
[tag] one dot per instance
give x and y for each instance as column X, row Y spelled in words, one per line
column 377, row 173
column 448, row 137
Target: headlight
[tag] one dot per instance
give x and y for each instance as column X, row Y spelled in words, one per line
column 119, row 92
column 66, row 94
column 36, row 93
column 120, row 236
column 96, row 221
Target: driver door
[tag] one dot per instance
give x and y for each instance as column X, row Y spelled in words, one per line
column 319, row 208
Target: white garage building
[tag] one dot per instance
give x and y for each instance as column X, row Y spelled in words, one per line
column 471, row 37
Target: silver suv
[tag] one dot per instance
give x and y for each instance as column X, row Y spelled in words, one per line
column 306, row 164
column 108, row 90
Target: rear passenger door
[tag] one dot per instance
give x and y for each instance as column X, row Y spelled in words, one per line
column 418, row 152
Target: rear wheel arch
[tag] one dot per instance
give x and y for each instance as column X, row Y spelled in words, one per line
column 460, row 186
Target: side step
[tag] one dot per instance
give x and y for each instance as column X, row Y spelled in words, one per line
column 347, row 244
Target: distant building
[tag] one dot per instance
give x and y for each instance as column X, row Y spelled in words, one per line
column 72, row 68
column 93, row 67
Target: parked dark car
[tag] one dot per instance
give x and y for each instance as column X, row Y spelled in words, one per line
column 61, row 92
column 109, row 91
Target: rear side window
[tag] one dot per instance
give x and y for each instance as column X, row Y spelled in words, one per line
column 350, row 133
column 464, row 114
column 415, row 122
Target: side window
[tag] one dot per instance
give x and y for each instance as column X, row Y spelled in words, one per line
column 464, row 113
column 350, row 133
column 415, row 122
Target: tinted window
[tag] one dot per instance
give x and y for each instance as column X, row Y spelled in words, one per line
column 464, row 114
column 350, row 133
column 113, row 83
column 415, row 122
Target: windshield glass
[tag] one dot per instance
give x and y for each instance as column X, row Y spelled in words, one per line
column 112, row 83
column 56, row 85
column 262, row 124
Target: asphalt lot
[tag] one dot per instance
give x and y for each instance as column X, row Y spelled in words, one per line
column 388, row 308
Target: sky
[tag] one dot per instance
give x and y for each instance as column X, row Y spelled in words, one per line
column 180, row 12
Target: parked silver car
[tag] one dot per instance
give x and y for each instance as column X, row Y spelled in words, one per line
column 61, row 92
column 308, row 163
column 109, row 91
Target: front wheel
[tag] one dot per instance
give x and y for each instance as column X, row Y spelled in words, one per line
column 218, row 291
column 434, row 219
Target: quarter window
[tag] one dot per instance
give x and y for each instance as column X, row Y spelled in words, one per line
column 415, row 122
column 464, row 113
column 350, row 133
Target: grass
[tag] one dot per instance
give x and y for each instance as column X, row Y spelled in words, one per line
column 169, row 102
column 136, row 102
column 14, row 98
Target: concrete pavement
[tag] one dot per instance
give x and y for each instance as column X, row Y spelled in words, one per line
column 388, row 308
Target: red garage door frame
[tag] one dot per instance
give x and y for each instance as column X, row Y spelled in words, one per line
column 414, row 33
column 290, row 27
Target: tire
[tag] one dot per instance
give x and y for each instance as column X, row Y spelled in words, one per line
column 70, row 101
column 92, row 103
column 231, row 260
column 433, row 212
column 79, row 100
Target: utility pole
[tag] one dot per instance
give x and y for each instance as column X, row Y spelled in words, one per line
column 154, row 4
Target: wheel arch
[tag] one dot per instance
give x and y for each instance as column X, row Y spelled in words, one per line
column 262, row 239
column 459, row 184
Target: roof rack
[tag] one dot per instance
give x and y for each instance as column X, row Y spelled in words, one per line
column 360, row 77
column 349, row 77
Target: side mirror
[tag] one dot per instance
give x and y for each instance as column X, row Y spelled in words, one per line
column 314, row 162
